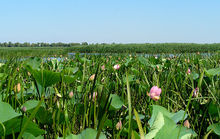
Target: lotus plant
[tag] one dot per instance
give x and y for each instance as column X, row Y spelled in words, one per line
column 155, row 93
column 116, row 67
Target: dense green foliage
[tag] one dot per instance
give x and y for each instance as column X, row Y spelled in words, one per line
column 147, row 48
column 20, row 52
column 89, row 97
column 46, row 49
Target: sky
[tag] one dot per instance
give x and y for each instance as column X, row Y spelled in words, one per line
column 108, row 21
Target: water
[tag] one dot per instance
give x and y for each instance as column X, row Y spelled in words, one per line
column 139, row 54
column 72, row 55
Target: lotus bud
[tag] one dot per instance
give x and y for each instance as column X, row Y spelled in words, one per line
column 59, row 95
column 103, row 67
column 17, row 88
column 155, row 93
column 188, row 71
column 158, row 67
column 24, row 109
column 92, row 77
column 29, row 74
column 71, row 94
column 119, row 125
column 187, row 124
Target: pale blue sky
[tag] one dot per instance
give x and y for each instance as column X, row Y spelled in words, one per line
column 120, row 21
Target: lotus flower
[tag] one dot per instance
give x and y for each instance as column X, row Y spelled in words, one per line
column 71, row 94
column 119, row 125
column 116, row 67
column 155, row 93
column 103, row 67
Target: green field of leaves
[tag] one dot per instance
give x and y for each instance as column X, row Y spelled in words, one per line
column 8, row 50
column 122, row 96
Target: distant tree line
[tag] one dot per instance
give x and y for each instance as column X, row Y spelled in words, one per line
column 122, row 48
column 26, row 44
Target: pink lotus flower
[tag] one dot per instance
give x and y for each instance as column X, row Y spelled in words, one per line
column 103, row 67
column 155, row 93
column 71, row 94
column 188, row 71
column 116, row 67
column 196, row 92
column 119, row 125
